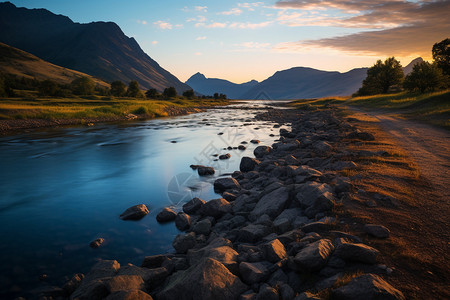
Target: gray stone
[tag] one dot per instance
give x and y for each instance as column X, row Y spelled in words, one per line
column 216, row 208
column 365, row 136
column 248, row 164
column 253, row 272
column 314, row 256
column 202, row 227
column 315, row 197
column 129, row 295
column 262, row 151
column 281, row 225
column 378, row 231
column 267, row 292
column 252, row 233
column 274, row 251
column 96, row 243
column 193, row 205
column 125, row 283
column 153, row 261
column 229, row 196
column 182, row 221
column 367, row 286
column 357, row 252
column 70, row 286
column 286, row 292
column 136, row 212
column 205, row 171
column 166, row 215
column 183, row 242
column 271, row 204
column 225, row 156
column 315, row 227
column 208, row 279
column 228, row 183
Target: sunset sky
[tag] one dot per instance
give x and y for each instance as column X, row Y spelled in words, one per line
column 240, row 41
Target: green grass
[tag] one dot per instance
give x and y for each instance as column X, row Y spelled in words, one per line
column 433, row 108
column 93, row 107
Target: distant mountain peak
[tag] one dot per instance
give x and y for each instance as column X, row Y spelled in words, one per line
column 197, row 76
column 408, row 69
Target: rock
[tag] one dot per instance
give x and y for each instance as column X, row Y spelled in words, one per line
column 277, row 277
column 378, row 231
column 70, row 286
column 305, row 173
column 182, row 221
column 281, row 224
column 248, row 164
column 249, row 295
column 242, row 147
column 253, row 272
column 360, row 135
column 193, row 205
column 166, row 215
column 322, row 147
column 207, row 280
column 271, row 204
column 286, row 292
column 262, row 151
column 102, row 269
column 255, row 141
column 95, row 289
column 216, row 208
column 222, row 253
column 154, row 261
column 274, row 251
column 202, row 227
column 205, row 171
column 228, row 183
column 125, row 283
column 314, row 256
column 357, row 252
column 183, row 242
column 225, row 156
column 252, row 233
column 96, row 243
column 136, row 212
column 315, row 197
column 288, row 147
column 367, row 286
column 267, row 292
column 315, row 227
column 307, row 296
column 229, row 196
column 129, row 295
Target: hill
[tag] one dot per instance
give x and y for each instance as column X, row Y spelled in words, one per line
column 23, row 64
column 209, row 86
column 100, row 49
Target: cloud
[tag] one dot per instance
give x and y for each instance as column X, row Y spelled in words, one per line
column 233, row 11
column 239, row 25
column 201, row 8
column 211, row 25
column 250, row 6
column 143, row 22
column 253, row 45
column 198, row 53
column 397, row 27
column 163, row 25
column 200, row 38
column 155, row 42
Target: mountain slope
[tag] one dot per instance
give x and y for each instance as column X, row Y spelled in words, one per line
column 23, row 64
column 209, row 86
column 100, row 49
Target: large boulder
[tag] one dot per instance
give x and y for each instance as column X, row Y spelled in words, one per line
column 378, row 231
column 254, row 272
column 182, row 221
column 315, row 197
column 368, row 287
column 192, row 206
column 262, row 151
column 202, row 227
column 253, row 233
column 222, row 253
column 357, row 252
column 274, row 251
column 228, row 183
column 209, row 279
column 166, row 215
column 248, row 164
column 314, row 256
column 136, row 212
column 129, row 295
column 216, row 208
column 125, row 283
column 205, row 171
column 183, row 242
column 271, row 204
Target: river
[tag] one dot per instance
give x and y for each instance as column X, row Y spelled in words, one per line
column 62, row 188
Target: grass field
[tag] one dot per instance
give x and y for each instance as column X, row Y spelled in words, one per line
column 93, row 107
column 433, row 108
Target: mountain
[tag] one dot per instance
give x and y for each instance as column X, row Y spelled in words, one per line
column 23, row 64
column 209, row 86
column 100, row 49
column 303, row 82
column 409, row 67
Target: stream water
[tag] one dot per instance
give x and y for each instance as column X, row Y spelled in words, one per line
column 62, row 188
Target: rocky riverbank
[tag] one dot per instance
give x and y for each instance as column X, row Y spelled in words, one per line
column 275, row 234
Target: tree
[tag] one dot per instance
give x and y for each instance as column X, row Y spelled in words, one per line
column 424, row 77
column 216, row 96
column 83, row 86
column 133, row 90
column 441, row 55
column 118, row 88
column 152, row 94
column 189, row 94
column 170, row 92
column 2, row 87
column 48, row 88
column 381, row 76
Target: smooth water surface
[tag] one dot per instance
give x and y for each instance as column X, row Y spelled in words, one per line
column 62, row 188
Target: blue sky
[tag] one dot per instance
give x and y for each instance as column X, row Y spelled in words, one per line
column 240, row 41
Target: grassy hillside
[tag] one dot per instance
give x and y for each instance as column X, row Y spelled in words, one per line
column 433, row 108
column 93, row 107
column 23, row 64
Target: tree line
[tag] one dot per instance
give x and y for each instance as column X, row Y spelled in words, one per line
column 388, row 76
column 86, row 86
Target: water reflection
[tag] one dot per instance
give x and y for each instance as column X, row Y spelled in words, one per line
column 62, row 188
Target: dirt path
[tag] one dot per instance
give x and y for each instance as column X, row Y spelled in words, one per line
column 428, row 146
